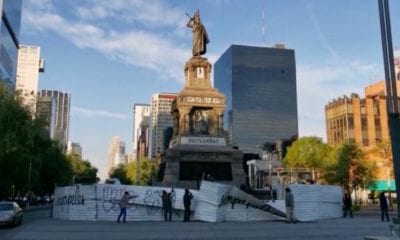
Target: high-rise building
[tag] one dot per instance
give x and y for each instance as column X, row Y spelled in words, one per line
column 116, row 153
column 28, row 68
column 363, row 120
column 63, row 105
column 74, row 149
column 141, row 113
column 10, row 11
column 161, row 119
column 46, row 111
column 261, row 100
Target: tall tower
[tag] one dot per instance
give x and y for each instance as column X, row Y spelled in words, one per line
column 261, row 99
column 141, row 128
column 63, row 105
column 161, row 119
column 46, row 111
column 10, row 11
column 29, row 66
column 116, row 153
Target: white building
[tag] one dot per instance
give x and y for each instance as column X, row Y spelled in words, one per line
column 28, row 67
column 141, row 122
column 161, row 120
column 116, row 153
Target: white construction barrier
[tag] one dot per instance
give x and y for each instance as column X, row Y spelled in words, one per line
column 214, row 202
column 313, row 202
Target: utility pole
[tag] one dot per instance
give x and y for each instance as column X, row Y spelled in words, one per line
column 391, row 91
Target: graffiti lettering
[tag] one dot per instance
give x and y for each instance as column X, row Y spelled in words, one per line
column 152, row 200
column 229, row 199
column 72, row 199
column 111, row 198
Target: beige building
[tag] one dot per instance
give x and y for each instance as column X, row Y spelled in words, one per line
column 116, row 153
column 160, row 121
column 363, row 120
column 28, row 68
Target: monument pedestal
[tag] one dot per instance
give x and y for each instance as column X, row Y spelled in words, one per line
column 193, row 158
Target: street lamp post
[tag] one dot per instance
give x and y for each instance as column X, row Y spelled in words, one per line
column 392, row 103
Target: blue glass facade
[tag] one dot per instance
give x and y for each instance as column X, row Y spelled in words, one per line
column 260, row 87
column 9, row 30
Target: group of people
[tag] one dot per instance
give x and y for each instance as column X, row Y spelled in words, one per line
column 383, row 204
column 166, row 198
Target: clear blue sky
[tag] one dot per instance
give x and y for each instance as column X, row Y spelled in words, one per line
column 110, row 54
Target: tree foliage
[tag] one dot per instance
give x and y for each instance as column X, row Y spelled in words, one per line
column 308, row 152
column 120, row 172
column 29, row 160
column 351, row 170
column 128, row 173
column 382, row 152
column 83, row 171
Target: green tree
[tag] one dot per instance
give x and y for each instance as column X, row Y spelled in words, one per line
column 120, row 172
column 83, row 171
column 351, row 170
column 147, row 171
column 309, row 152
column 54, row 170
column 382, row 152
column 26, row 151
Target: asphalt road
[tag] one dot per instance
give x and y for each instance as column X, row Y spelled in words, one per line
column 40, row 226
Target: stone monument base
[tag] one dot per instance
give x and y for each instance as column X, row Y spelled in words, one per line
column 193, row 158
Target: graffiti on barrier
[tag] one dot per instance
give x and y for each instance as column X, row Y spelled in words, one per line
column 111, row 198
column 71, row 199
column 152, row 199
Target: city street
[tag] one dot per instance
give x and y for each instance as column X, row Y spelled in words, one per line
column 365, row 223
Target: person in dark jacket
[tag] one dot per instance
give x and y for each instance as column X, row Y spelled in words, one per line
column 187, row 199
column 289, row 202
column 383, row 203
column 167, row 205
column 347, row 205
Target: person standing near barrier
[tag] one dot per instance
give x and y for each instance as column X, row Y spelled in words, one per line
column 347, row 205
column 167, row 205
column 187, row 199
column 124, row 203
column 383, row 203
column 289, row 200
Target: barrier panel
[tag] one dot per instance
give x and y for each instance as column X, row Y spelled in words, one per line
column 214, row 202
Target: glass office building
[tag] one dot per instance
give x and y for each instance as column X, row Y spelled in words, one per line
column 9, row 40
column 260, row 87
